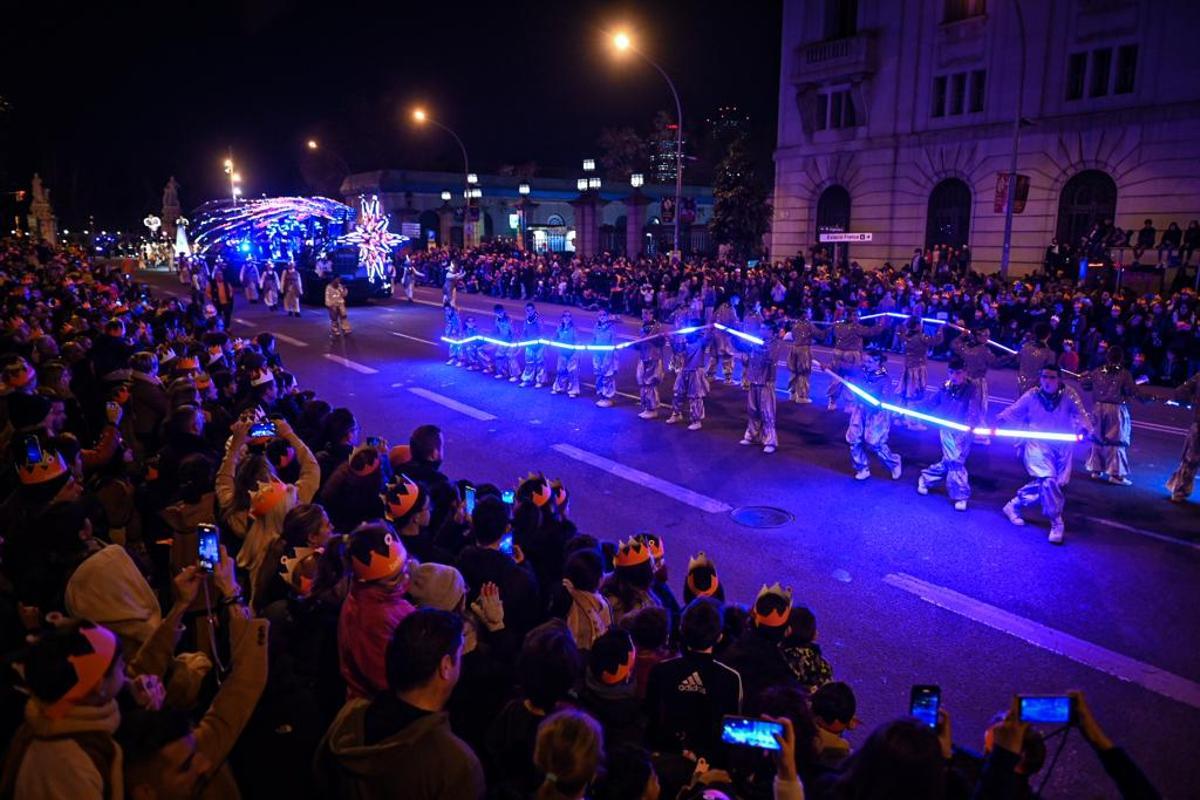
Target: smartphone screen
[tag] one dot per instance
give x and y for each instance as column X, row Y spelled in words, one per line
column 1046, row 708
column 749, row 732
column 923, row 704
column 374, row 441
column 208, row 547
column 469, row 498
column 506, row 544
column 509, row 496
column 33, row 450
column 263, row 430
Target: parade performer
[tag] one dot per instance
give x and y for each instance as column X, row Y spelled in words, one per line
column 650, row 364
column 408, row 278
column 760, row 370
column 848, row 336
column 450, row 283
column 691, row 384
column 472, row 352
column 956, row 402
column 1052, row 406
column 335, row 302
column 1183, row 481
column 293, row 289
column 269, row 285
column 1035, row 353
column 604, row 362
column 1112, row 388
column 503, row 359
column 249, row 277
column 870, row 425
column 566, row 373
column 753, row 319
column 977, row 354
column 799, row 360
column 916, row 372
column 721, row 346
column 535, row 368
column 453, row 330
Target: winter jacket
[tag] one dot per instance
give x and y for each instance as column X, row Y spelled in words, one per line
column 686, row 697
column 369, row 615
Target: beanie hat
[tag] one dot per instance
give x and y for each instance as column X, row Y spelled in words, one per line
column 631, row 553
column 437, row 586
column 701, row 576
column 26, row 411
column 401, row 497
column 376, row 552
column 764, row 615
column 612, row 657
column 66, row 665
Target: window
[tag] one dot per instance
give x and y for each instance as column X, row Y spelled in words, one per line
column 1076, row 73
column 948, row 219
column 962, row 9
column 977, row 86
column 1088, row 198
column 1126, row 68
column 841, row 18
column 958, row 92
column 835, row 110
column 1101, row 66
column 939, row 96
column 822, row 112
column 833, row 210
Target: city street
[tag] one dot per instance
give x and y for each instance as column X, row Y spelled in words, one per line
column 905, row 590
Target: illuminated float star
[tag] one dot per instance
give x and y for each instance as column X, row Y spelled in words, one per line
column 374, row 241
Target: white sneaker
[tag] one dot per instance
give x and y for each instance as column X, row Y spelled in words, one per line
column 862, row 474
column 450, row 363
column 745, row 441
column 960, row 505
column 556, row 390
column 1056, row 531
column 671, row 420
column 498, row 376
column 1115, row 481
column 804, row 400
column 538, row 385
column 648, row 414
column 1014, row 516
column 769, row 449
column 513, row 379
column 695, row 426
column 572, row 395
column 899, row 468
column 604, row 402
column 921, row 487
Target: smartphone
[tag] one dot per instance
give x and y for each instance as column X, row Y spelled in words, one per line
column 469, row 498
column 263, row 430
column 506, row 544
column 750, row 732
column 374, row 441
column 208, row 547
column 924, row 702
column 33, row 450
column 1055, row 709
column 508, row 497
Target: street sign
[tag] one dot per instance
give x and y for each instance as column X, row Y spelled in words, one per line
column 845, row 237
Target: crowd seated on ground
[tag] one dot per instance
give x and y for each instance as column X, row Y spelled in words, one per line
column 1159, row 332
column 356, row 630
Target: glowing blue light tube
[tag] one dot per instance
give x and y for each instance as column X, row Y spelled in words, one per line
column 740, row 334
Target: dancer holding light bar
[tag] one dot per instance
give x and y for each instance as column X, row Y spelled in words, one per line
column 848, row 336
column 800, row 361
column 691, row 385
column 1183, row 481
column 535, row 366
column 976, row 353
column 650, row 364
column 566, row 372
column 604, row 362
column 1052, row 407
column 916, row 371
column 761, row 359
column 502, row 358
column 870, row 422
column 955, row 401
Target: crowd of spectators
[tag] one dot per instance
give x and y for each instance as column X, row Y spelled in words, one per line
column 369, row 627
column 1159, row 332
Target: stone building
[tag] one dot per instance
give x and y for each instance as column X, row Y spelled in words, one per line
column 896, row 118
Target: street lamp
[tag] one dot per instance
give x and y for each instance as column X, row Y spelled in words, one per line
column 312, row 144
column 1006, row 252
column 235, row 178
column 622, row 42
column 523, row 188
column 421, row 117
column 589, row 165
column 636, row 180
column 593, row 182
column 581, row 184
column 446, row 196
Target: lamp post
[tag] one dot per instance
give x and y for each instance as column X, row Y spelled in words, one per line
column 421, row 117
column 622, row 42
column 1006, row 252
column 235, row 178
column 523, row 189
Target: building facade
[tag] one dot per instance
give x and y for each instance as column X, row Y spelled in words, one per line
column 555, row 215
column 897, row 118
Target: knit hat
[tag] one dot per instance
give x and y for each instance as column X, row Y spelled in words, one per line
column 27, row 411
column 701, row 577
column 768, row 596
column 437, row 586
column 612, row 657
column 401, row 497
column 376, row 552
column 66, row 665
column 631, row 553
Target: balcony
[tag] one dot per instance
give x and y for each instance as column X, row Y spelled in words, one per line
column 848, row 59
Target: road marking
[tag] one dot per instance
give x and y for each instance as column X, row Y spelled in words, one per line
column 645, row 479
column 354, row 365
column 1091, row 655
column 414, row 338
column 283, row 337
column 451, row 403
column 1140, row 532
column 241, row 321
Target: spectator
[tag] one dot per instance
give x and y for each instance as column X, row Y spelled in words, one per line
column 569, row 753
column 483, row 562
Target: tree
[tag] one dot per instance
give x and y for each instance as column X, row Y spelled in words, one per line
column 623, row 151
column 741, row 211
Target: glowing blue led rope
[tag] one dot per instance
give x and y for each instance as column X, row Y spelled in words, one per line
column 594, row 348
column 927, row 321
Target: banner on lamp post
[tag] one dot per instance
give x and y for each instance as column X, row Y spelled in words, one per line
column 1021, row 195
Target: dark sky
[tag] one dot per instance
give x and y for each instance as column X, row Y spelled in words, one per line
column 109, row 99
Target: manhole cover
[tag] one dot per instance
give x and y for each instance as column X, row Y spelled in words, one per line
column 761, row 516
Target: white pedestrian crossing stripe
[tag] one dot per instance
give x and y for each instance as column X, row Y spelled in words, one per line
column 354, row 365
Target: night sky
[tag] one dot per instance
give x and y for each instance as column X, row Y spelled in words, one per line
column 106, row 100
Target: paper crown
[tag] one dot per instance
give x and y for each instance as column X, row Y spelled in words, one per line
column 367, row 460
column 701, row 561
column 50, row 467
column 400, row 497
column 773, row 619
column 631, row 553
column 289, row 568
column 90, row 667
column 188, row 363
column 203, row 380
column 19, row 373
column 559, row 491
column 261, row 376
column 267, row 497
column 622, row 671
column 383, row 559
column 166, row 354
column 653, row 543
column 538, row 488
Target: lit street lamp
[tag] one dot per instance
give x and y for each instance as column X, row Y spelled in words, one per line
column 235, row 178
column 421, row 117
column 622, row 42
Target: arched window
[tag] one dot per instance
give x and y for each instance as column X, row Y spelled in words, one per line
column 1089, row 197
column 948, row 219
column 555, row 220
column 833, row 210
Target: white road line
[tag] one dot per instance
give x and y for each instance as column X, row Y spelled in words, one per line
column 452, row 404
column 293, row 341
column 645, row 479
column 1091, row 655
column 1140, row 532
column 414, row 338
column 354, row 365
column 241, row 321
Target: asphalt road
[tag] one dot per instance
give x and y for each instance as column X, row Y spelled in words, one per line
column 905, row 589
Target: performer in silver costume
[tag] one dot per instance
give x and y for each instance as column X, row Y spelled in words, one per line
column 955, row 401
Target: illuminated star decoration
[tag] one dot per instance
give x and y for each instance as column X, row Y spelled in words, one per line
column 374, row 241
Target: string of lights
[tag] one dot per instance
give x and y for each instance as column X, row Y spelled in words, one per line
column 218, row 225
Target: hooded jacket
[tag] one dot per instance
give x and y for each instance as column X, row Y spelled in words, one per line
column 423, row 760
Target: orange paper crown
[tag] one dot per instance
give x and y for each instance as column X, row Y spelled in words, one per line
column 653, row 543
column 401, row 496
column 385, row 561
column 90, row 668
column 773, row 619
column 539, row 491
column 622, row 671
column 289, row 568
column 631, row 553
column 267, row 497
column 560, row 492
column 50, row 467
column 702, row 561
